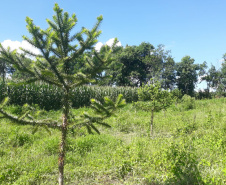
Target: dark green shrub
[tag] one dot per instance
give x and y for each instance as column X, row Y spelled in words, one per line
column 183, row 165
column 188, row 102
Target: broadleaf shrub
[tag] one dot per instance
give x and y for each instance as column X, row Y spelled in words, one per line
column 188, row 102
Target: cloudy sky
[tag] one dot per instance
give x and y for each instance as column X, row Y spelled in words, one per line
column 195, row 27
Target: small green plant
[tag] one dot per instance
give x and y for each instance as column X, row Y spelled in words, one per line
column 188, row 102
column 183, row 165
column 58, row 64
column 177, row 95
column 188, row 127
column 153, row 98
column 210, row 120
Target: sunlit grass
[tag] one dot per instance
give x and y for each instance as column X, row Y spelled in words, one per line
column 187, row 146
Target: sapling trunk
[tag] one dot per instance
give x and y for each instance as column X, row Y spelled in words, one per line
column 62, row 149
column 152, row 119
column 58, row 65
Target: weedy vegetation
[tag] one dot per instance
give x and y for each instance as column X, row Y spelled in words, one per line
column 59, row 64
column 59, row 128
column 188, row 147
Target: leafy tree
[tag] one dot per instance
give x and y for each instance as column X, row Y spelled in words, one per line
column 212, row 78
column 160, row 66
column 187, row 74
column 153, row 98
column 222, row 78
column 168, row 71
column 216, row 79
column 61, row 53
column 176, row 95
column 102, row 78
column 18, row 75
column 132, row 68
column 135, row 65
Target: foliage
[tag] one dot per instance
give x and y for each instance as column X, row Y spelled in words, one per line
column 153, row 98
column 58, row 64
column 212, row 78
column 183, row 165
column 135, row 65
column 3, row 91
column 156, row 97
column 5, row 68
column 188, row 102
column 220, row 79
column 177, row 95
column 187, row 74
column 204, row 94
column 49, row 97
column 183, row 149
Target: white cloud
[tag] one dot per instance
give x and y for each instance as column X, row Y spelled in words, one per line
column 24, row 44
column 16, row 45
column 109, row 43
column 98, row 46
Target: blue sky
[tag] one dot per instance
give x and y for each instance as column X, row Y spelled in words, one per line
column 194, row 27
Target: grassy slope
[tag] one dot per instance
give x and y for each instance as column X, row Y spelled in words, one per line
column 188, row 147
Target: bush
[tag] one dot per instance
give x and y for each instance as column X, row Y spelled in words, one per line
column 204, row 94
column 188, row 102
column 183, row 165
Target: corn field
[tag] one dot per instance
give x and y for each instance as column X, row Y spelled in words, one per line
column 49, row 97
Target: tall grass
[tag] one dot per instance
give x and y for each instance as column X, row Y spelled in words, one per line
column 50, row 97
column 188, row 147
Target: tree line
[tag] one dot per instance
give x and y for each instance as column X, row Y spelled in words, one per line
column 135, row 65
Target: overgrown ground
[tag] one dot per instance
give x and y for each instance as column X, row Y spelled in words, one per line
column 188, row 147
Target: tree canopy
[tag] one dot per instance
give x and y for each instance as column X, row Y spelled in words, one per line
column 187, row 74
column 135, row 65
column 66, row 60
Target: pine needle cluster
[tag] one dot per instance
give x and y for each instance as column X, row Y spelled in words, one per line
column 66, row 60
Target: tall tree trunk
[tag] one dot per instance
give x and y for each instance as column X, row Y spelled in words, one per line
column 63, row 138
column 151, row 125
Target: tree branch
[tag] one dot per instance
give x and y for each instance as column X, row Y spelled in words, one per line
column 28, row 122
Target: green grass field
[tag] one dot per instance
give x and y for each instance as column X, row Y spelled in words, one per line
column 188, row 147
